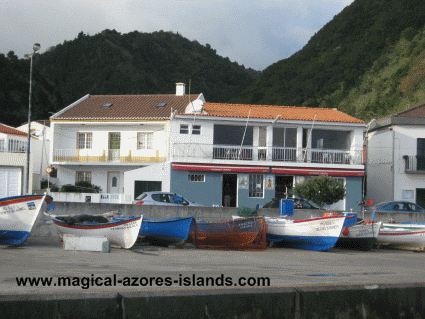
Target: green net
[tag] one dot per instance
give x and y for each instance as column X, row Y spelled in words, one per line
column 248, row 212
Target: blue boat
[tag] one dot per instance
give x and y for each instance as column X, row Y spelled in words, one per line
column 17, row 216
column 165, row 232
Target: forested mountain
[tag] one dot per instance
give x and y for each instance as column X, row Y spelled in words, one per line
column 368, row 62
column 114, row 63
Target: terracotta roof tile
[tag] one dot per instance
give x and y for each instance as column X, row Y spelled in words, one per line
column 272, row 111
column 127, row 107
column 416, row 112
column 11, row 131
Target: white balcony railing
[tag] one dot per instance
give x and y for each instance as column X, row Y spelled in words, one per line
column 91, row 198
column 275, row 154
column 102, row 156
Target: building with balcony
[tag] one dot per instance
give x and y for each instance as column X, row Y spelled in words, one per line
column 100, row 137
column 243, row 155
column 396, row 157
column 13, row 161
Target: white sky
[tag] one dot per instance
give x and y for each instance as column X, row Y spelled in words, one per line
column 255, row 33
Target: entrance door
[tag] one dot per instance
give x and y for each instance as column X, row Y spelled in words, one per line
column 113, row 182
column 420, row 197
column 230, row 183
column 114, row 146
column 283, row 185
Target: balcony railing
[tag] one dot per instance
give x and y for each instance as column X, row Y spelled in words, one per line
column 414, row 164
column 93, row 156
column 275, row 154
column 91, row 198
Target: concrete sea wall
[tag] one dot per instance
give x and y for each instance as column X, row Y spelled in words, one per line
column 355, row 301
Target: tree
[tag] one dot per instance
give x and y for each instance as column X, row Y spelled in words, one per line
column 321, row 190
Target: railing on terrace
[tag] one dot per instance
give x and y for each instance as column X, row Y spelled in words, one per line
column 275, row 154
column 13, row 146
column 91, row 198
column 92, row 156
column 414, row 163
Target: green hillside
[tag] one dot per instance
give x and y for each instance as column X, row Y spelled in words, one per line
column 114, row 63
column 366, row 62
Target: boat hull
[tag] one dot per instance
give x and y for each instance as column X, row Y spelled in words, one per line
column 173, row 231
column 122, row 233
column 361, row 236
column 241, row 234
column 402, row 238
column 318, row 234
column 17, row 217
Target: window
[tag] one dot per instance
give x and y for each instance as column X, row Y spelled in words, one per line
column 2, row 146
column 196, row 129
column 196, row 177
column 16, row 146
column 114, row 181
column 83, row 177
column 145, row 140
column 256, row 185
column 84, row 140
column 184, row 129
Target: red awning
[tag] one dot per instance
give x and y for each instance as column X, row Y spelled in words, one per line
column 317, row 171
column 221, row 168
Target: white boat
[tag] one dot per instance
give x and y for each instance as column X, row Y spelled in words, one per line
column 402, row 236
column 122, row 233
column 361, row 235
column 17, row 216
column 320, row 233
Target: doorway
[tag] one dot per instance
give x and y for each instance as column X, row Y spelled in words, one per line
column 420, row 197
column 113, row 182
column 230, row 183
column 283, row 186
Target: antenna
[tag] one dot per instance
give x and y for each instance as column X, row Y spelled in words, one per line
column 243, row 138
column 309, row 136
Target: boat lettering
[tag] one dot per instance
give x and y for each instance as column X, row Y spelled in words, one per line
column 10, row 209
column 362, row 233
column 326, row 227
column 125, row 226
column 245, row 225
column 326, row 222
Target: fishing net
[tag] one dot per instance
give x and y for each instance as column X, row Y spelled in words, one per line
column 248, row 212
column 239, row 234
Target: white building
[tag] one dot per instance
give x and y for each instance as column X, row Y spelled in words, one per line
column 212, row 153
column 98, row 138
column 13, row 162
column 248, row 154
column 41, row 149
column 396, row 157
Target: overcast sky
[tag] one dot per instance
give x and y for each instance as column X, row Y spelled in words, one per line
column 255, row 33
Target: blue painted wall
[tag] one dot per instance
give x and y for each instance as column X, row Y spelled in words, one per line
column 353, row 189
column 207, row 193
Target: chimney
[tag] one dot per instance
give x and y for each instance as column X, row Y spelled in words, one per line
column 180, row 89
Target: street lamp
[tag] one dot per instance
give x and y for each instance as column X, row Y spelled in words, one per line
column 35, row 48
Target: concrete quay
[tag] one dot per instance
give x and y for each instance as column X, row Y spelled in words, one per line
column 303, row 284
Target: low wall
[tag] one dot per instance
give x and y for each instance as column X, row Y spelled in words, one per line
column 42, row 227
column 356, row 301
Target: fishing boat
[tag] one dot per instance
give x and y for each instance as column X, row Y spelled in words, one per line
column 17, row 216
column 122, row 233
column 409, row 236
column 236, row 234
column 320, row 233
column 357, row 233
column 165, row 232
